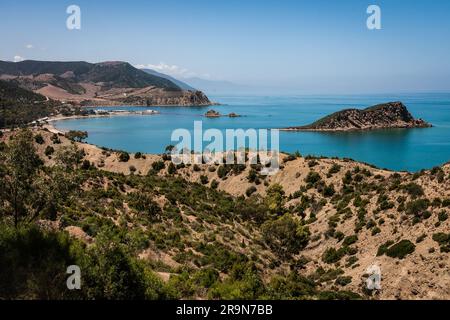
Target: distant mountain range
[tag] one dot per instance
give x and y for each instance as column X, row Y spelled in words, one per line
column 216, row 86
column 180, row 84
column 105, row 83
column 206, row 85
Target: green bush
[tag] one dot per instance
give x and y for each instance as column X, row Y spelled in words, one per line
column 34, row 264
column 335, row 168
column 312, row 177
column 171, row 169
column 250, row 190
column 39, row 139
column 124, row 156
column 331, row 255
column 443, row 240
column 204, row 179
column 343, row 281
column 158, row 166
column 442, row 216
column 399, row 250
column 49, row 150
column 414, row 190
column 348, row 241
column 285, row 235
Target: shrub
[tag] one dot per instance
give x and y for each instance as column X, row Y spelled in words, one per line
column 214, row 184
column 275, row 198
column 49, row 150
column 335, row 168
column 442, row 216
column 34, row 263
column 414, row 190
column 252, row 175
column 285, row 235
column 203, row 179
column 376, row 231
column 343, row 281
column 443, row 240
column 399, row 250
column 171, row 169
column 417, row 207
column 124, row 156
column 331, row 255
column 329, row 191
column 158, row 165
column 250, row 191
column 76, row 135
column 138, row 155
column 132, row 169
column 55, row 139
column 85, row 165
column 312, row 163
column 348, row 241
column 312, row 177
column 39, row 139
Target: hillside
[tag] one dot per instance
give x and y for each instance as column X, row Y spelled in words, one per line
column 382, row 116
column 105, row 83
column 310, row 231
column 19, row 106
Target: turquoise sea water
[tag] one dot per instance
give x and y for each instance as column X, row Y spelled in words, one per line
column 396, row 149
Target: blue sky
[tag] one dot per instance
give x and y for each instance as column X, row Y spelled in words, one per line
column 307, row 46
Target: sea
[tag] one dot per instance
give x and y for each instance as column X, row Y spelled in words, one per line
column 395, row 149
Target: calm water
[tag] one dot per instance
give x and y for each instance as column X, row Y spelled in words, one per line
column 411, row 150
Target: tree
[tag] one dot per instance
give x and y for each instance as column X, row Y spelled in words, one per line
column 275, row 198
column 76, row 135
column 20, row 167
column 29, row 191
column 124, row 156
column 285, row 235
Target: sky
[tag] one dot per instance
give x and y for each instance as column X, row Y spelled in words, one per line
column 320, row 46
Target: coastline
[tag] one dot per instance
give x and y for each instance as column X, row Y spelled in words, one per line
column 49, row 123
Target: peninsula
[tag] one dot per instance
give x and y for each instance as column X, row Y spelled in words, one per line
column 381, row 116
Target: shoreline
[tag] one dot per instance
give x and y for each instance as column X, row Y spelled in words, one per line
column 50, row 126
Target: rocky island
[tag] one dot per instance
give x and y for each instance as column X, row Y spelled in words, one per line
column 382, row 116
column 215, row 114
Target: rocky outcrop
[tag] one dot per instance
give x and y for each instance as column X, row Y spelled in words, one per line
column 212, row 114
column 382, row 116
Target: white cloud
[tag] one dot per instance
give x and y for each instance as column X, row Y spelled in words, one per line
column 18, row 58
column 29, row 46
column 172, row 70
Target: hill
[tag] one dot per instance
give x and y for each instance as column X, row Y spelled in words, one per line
column 382, row 116
column 105, row 83
column 19, row 106
column 310, row 231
